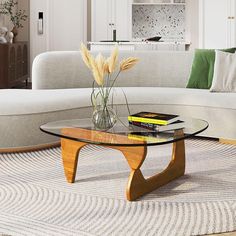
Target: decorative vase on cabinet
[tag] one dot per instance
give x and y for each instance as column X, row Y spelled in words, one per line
column 15, row 33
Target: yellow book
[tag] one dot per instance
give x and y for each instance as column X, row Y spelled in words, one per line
column 146, row 138
column 153, row 118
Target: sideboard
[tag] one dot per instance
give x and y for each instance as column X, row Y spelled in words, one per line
column 13, row 64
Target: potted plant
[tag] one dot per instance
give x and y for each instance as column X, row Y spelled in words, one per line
column 9, row 7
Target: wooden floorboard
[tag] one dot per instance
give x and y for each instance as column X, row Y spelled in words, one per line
column 225, row 234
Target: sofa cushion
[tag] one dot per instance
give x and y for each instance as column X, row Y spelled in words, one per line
column 224, row 79
column 203, row 68
column 60, row 70
column 179, row 96
column 21, row 102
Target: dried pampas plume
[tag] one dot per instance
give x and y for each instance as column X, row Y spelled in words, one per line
column 96, row 74
column 113, row 60
column 128, row 63
column 106, row 67
column 86, row 56
column 100, row 62
column 102, row 66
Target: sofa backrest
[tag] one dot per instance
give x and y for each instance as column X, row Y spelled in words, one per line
column 57, row 70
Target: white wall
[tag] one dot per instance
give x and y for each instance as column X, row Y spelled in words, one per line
column 192, row 23
column 65, row 25
column 68, row 24
column 38, row 43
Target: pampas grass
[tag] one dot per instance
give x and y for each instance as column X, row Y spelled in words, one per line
column 112, row 61
column 105, row 73
column 128, row 63
column 102, row 66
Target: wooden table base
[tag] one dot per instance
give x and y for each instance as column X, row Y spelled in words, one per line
column 137, row 185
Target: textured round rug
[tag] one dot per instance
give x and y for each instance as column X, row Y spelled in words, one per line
column 35, row 198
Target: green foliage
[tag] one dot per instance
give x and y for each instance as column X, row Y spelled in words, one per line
column 16, row 17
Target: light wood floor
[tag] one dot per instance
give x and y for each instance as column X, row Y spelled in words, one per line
column 224, row 234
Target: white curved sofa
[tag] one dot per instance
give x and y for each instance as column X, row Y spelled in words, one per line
column 61, row 90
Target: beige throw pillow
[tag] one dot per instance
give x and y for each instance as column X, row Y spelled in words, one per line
column 224, row 79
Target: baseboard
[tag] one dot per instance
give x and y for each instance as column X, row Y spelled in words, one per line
column 228, row 141
column 30, row 148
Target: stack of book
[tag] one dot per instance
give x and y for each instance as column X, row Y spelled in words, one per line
column 156, row 121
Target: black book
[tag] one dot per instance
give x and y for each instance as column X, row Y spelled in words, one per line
column 159, row 128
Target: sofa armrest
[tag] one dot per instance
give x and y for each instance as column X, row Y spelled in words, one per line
column 59, row 70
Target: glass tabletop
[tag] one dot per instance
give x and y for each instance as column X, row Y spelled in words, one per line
column 122, row 134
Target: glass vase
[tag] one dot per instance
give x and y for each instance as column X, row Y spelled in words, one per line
column 104, row 117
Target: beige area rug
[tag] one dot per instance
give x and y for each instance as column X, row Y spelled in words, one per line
column 35, row 198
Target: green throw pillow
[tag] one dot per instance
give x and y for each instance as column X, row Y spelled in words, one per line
column 203, row 68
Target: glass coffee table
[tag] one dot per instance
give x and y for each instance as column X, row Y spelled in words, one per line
column 132, row 141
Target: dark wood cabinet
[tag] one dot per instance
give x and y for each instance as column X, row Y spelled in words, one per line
column 13, row 64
